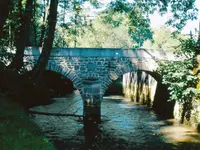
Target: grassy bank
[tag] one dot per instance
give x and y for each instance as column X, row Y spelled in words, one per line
column 17, row 132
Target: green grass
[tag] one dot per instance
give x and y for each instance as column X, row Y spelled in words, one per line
column 17, row 132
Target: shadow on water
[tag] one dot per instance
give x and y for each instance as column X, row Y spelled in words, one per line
column 85, row 138
column 124, row 126
column 91, row 133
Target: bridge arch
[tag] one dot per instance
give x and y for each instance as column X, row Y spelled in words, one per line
column 160, row 104
column 119, row 71
column 64, row 71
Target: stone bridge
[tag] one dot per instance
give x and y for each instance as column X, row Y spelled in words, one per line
column 92, row 70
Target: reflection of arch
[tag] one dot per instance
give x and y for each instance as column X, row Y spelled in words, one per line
column 64, row 71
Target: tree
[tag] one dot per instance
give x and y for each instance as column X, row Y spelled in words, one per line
column 39, row 68
column 45, row 14
column 163, row 39
column 139, row 26
column 180, row 78
column 5, row 7
column 106, row 35
column 22, row 34
column 182, row 10
column 138, row 21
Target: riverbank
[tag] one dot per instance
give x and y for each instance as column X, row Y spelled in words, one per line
column 17, row 132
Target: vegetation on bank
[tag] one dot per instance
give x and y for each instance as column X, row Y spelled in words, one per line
column 181, row 76
column 17, row 132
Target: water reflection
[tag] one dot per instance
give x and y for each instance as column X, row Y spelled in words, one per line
column 91, row 131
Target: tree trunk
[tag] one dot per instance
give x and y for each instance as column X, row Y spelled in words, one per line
column 34, row 24
column 5, row 6
column 39, row 68
column 44, row 22
column 22, row 36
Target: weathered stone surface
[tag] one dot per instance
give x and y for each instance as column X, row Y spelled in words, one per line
column 95, row 63
column 139, row 87
column 103, row 65
column 91, row 66
column 194, row 119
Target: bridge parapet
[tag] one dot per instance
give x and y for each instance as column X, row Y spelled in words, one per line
column 104, row 52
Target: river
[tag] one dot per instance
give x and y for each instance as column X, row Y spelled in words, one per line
column 125, row 125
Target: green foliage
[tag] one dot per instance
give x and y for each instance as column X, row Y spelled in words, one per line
column 182, row 11
column 106, row 35
column 163, row 39
column 17, row 131
column 136, row 19
column 179, row 77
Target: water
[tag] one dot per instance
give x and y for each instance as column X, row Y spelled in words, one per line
column 125, row 125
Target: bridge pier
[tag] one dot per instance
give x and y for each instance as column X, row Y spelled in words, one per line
column 92, row 97
column 92, row 114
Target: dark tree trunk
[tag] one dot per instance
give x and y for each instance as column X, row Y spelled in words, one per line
column 44, row 22
column 39, row 68
column 5, row 7
column 22, row 36
column 34, row 24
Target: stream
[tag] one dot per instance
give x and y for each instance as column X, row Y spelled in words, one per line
column 125, row 125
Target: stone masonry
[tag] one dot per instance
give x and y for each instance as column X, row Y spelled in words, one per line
column 93, row 70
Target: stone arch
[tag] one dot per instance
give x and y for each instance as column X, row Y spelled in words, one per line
column 121, row 70
column 160, row 104
column 66, row 72
column 115, row 74
column 133, row 64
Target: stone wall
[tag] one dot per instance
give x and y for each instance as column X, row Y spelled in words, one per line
column 139, row 87
column 94, row 68
column 194, row 118
column 104, row 65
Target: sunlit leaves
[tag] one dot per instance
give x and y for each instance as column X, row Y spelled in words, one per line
column 163, row 39
column 182, row 10
column 105, row 35
column 178, row 75
column 122, row 6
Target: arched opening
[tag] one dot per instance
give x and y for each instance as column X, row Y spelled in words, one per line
column 66, row 111
column 64, row 87
column 115, row 88
column 144, row 87
column 57, row 84
column 139, row 87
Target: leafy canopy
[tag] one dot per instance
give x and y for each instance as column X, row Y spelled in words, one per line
column 182, row 10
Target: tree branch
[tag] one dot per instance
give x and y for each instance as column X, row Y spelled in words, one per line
column 54, row 114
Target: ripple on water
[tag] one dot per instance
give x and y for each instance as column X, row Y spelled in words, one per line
column 125, row 125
